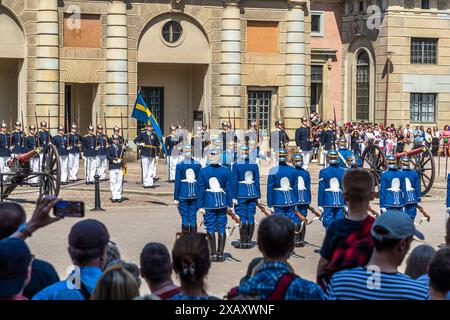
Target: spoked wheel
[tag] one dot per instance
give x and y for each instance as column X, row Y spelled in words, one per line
column 374, row 160
column 51, row 172
column 424, row 165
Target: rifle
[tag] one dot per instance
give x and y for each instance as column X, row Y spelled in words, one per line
column 234, row 133
column 48, row 123
column 229, row 119
column 308, row 114
column 334, row 131
column 106, row 126
column 314, row 211
column 233, row 216
column 282, row 138
column 37, row 134
column 96, row 136
column 425, row 214
column 263, row 209
column 298, row 214
column 23, row 129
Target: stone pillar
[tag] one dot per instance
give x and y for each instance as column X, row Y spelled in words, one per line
column 47, row 78
column 116, row 61
column 230, row 69
column 295, row 61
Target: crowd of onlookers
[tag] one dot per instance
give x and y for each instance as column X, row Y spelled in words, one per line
column 359, row 259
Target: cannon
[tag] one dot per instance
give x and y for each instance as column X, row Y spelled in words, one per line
column 374, row 159
column 20, row 172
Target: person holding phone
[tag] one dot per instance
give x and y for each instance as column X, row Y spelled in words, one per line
column 114, row 155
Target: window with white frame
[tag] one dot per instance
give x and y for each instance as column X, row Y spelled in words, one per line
column 317, row 23
column 422, row 107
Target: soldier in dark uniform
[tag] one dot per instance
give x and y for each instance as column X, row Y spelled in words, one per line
column 149, row 142
column 62, row 144
column 114, row 154
column 5, row 153
column 44, row 136
column 326, row 141
column 303, row 139
column 278, row 140
column 74, row 153
column 116, row 133
column 228, row 135
column 172, row 153
column 31, row 142
column 90, row 155
column 101, row 142
column 199, row 142
column 17, row 139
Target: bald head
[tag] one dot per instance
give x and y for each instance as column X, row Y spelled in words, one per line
column 12, row 216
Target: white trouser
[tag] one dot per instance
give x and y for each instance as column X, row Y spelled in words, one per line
column 34, row 166
column 323, row 155
column 273, row 157
column 306, row 156
column 74, row 164
column 90, row 165
column 155, row 168
column 4, row 166
column 173, row 161
column 64, row 163
column 101, row 167
column 148, row 169
column 115, row 183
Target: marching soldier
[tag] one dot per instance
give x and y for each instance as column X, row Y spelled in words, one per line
column 101, row 142
column 303, row 198
column 391, row 195
column 228, row 135
column 185, row 193
column 278, row 140
column 344, row 153
column 116, row 131
column 5, row 153
column 17, row 140
column 114, row 155
column 149, row 143
column 172, row 153
column 214, row 199
column 326, row 141
column 252, row 133
column 44, row 135
column 90, row 155
column 60, row 141
column 74, row 153
column 31, row 143
column 303, row 141
column 199, row 142
column 281, row 183
column 246, row 193
column 330, row 198
column 411, row 188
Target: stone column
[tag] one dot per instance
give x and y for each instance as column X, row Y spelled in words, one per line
column 47, row 78
column 295, row 60
column 230, row 69
column 116, row 61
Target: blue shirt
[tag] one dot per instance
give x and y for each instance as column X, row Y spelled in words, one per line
column 361, row 284
column 60, row 290
column 425, row 279
column 266, row 277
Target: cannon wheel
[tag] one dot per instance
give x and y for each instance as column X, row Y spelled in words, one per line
column 425, row 167
column 51, row 172
column 374, row 160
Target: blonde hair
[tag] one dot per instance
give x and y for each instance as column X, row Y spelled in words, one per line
column 116, row 283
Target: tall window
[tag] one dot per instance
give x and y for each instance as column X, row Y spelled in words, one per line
column 317, row 23
column 362, row 86
column 422, row 107
column 259, row 102
column 423, row 50
column 316, row 87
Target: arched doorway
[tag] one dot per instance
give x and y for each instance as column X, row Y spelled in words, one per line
column 173, row 69
column 12, row 68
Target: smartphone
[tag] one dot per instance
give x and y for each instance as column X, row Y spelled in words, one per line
column 72, row 209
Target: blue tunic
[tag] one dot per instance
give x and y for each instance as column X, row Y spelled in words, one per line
column 184, row 189
column 88, row 144
column 4, row 144
column 411, row 186
column 276, row 197
column 60, row 142
column 344, row 155
column 302, row 138
column 17, row 141
column 389, row 196
column 241, row 189
column 327, row 196
column 214, row 187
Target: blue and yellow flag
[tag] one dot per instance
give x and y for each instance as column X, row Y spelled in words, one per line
column 142, row 112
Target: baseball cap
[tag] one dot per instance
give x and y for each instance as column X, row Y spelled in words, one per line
column 15, row 258
column 88, row 234
column 395, row 225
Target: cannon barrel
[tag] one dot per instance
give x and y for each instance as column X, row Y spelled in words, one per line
column 410, row 153
column 25, row 157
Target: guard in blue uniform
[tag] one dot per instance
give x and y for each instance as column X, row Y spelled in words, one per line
column 17, row 140
column 149, row 143
column 447, row 200
column 281, row 183
column 5, row 153
column 214, row 199
column 31, row 142
column 344, row 153
column 246, row 193
column 326, row 141
column 410, row 187
column 330, row 198
column 114, row 155
column 44, row 136
column 303, row 197
column 74, row 153
column 90, row 155
column 62, row 144
column 303, row 141
column 101, row 143
column 391, row 195
column 185, row 194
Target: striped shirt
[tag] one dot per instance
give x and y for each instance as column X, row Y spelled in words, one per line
column 363, row 284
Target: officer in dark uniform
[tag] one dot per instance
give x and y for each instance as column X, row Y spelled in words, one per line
column 44, row 135
column 278, row 140
column 149, row 143
column 17, row 139
column 101, row 142
column 303, row 141
column 31, row 142
column 114, row 155
column 74, row 152
column 90, row 155
column 199, row 142
column 172, row 153
column 228, row 135
column 62, row 144
column 326, row 141
column 5, row 153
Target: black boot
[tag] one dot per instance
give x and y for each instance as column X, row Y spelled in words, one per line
column 184, row 229
column 302, row 234
column 242, row 236
column 212, row 246
column 298, row 228
column 193, row 229
column 251, row 231
column 221, row 247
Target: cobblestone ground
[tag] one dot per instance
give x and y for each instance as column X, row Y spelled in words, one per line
column 149, row 215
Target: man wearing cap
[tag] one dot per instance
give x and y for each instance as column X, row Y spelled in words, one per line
column 330, row 198
column 278, row 140
column 228, row 135
column 61, row 142
column 411, row 188
column 303, row 139
column 173, row 153
column 74, row 152
column 199, row 142
column 44, row 135
column 32, row 143
column 116, row 131
column 185, row 194
column 149, row 142
column 5, row 152
column 344, row 153
column 380, row 279
column 15, row 268
column 252, row 133
column 88, row 240
column 17, row 140
column 101, row 142
column 90, row 155
column 326, row 141
column 114, row 154
column 391, row 181
column 214, row 199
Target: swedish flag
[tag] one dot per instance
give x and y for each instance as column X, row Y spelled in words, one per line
column 142, row 112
